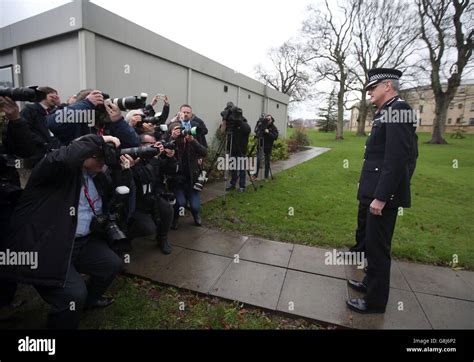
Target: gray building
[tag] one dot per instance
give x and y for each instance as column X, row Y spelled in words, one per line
column 81, row 45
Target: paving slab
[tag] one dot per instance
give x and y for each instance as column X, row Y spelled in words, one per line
column 146, row 259
column 436, row 280
column 312, row 260
column 215, row 242
column 266, row 252
column 186, row 234
column 447, row 313
column 403, row 312
column 467, row 276
column 315, row 296
column 251, row 283
column 194, row 270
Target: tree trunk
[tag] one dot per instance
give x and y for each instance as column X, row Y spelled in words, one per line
column 362, row 115
column 439, row 122
column 340, row 111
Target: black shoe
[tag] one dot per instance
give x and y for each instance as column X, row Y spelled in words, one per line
column 359, row 286
column 197, row 220
column 361, row 306
column 102, row 302
column 165, row 246
column 229, row 188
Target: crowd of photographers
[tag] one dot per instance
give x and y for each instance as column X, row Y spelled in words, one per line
column 94, row 181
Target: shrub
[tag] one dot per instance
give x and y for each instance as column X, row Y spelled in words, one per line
column 298, row 139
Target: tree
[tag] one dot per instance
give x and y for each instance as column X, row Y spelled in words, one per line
column 447, row 31
column 381, row 39
column 327, row 117
column 288, row 75
column 329, row 40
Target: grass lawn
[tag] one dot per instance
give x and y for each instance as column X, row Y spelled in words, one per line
column 141, row 304
column 322, row 194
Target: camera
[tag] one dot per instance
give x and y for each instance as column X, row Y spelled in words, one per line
column 128, row 103
column 108, row 222
column 112, row 154
column 23, row 94
column 202, row 179
column 148, row 119
column 194, row 131
column 168, row 196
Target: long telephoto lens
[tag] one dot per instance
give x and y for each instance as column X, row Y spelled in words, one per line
column 23, row 94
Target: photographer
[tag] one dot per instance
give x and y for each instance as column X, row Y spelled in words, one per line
column 189, row 120
column 16, row 142
column 265, row 133
column 108, row 120
column 154, row 213
column 35, row 114
column 189, row 152
column 237, row 131
column 57, row 217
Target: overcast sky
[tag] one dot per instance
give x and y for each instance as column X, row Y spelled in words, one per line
column 236, row 34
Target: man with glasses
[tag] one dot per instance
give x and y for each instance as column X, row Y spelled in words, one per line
column 384, row 184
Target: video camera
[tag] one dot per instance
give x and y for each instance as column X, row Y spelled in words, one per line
column 112, row 154
column 23, row 94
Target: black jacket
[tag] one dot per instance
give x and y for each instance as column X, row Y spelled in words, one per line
column 268, row 138
column 149, row 177
column 202, row 130
column 237, row 136
column 188, row 155
column 45, row 219
column 389, row 154
column 35, row 115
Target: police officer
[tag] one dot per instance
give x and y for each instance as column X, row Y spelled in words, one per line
column 384, row 184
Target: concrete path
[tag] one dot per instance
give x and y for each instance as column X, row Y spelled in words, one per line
column 295, row 279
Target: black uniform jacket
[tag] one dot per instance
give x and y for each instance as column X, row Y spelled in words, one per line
column 390, row 148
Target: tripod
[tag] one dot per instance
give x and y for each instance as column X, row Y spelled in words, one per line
column 223, row 151
column 260, row 153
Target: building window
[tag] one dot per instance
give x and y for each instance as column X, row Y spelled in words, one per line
column 472, row 106
column 458, row 120
column 226, row 88
column 471, row 121
column 421, row 109
column 460, row 105
column 249, row 96
column 451, row 105
column 449, row 120
column 278, row 105
column 6, row 76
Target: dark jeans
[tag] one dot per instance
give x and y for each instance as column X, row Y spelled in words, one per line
column 186, row 194
column 238, row 175
column 268, row 156
column 155, row 220
column 90, row 256
column 378, row 243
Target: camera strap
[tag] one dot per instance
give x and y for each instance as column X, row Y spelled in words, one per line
column 88, row 197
